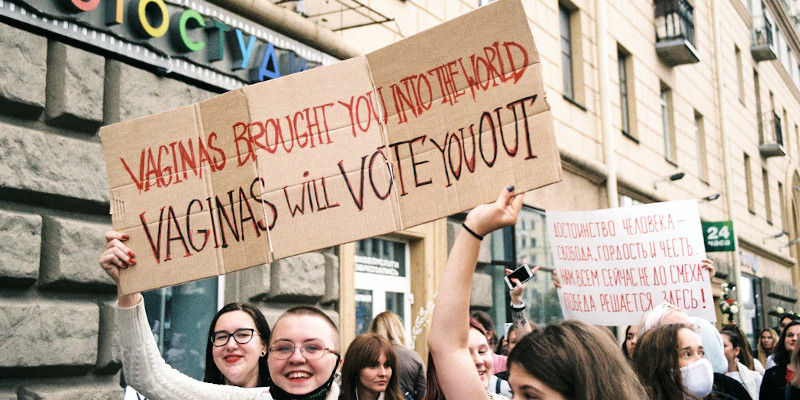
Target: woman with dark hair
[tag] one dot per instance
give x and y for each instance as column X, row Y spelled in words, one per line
column 368, row 370
column 671, row 363
column 573, row 360
column 773, row 386
column 746, row 354
column 737, row 356
column 793, row 391
column 588, row 366
column 301, row 363
column 410, row 370
column 227, row 337
column 631, row 336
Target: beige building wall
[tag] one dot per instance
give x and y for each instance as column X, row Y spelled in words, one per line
column 640, row 161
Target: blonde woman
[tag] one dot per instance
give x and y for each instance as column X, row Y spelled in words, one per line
column 767, row 339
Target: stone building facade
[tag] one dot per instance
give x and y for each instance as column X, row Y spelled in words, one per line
column 642, row 90
column 57, row 333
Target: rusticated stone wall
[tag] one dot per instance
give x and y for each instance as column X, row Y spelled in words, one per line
column 57, row 332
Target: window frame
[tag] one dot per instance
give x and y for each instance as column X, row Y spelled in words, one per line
column 767, row 197
column 668, row 124
column 700, row 138
column 569, row 22
column 627, row 101
column 748, row 182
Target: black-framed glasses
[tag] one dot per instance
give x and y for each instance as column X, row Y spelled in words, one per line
column 241, row 336
column 283, row 350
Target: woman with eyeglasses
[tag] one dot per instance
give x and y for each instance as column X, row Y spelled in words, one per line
column 299, row 360
column 237, row 347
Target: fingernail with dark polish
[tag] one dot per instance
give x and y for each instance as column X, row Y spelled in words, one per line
column 130, row 254
column 125, row 237
column 132, row 261
column 510, row 188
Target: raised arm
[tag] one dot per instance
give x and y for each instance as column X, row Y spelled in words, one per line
column 449, row 332
column 518, row 317
column 116, row 256
column 145, row 369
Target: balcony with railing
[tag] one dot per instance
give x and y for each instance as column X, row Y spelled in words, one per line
column 763, row 48
column 675, row 43
column 771, row 128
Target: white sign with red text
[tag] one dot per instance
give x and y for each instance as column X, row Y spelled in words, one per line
column 616, row 264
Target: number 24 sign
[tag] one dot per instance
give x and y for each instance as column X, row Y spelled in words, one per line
column 718, row 236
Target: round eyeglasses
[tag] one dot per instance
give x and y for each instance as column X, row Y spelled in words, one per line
column 241, row 336
column 283, row 350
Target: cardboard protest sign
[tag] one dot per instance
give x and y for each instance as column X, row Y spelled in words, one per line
column 614, row 265
column 417, row 131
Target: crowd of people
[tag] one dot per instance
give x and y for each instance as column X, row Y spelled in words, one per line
column 668, row 356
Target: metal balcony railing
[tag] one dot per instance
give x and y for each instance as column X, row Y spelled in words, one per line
column 674, row 20
column 763, row 47
column 771, row 127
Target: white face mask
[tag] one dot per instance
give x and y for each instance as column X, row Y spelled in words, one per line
column 698, row 378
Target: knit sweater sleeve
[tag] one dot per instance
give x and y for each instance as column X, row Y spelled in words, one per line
column 146, row 371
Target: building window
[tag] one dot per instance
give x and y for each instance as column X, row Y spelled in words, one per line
column 777, row 124
column 179, row 317
column 667, row 125
column 700, row 137
column 566, row 52
column 784, row 128
column 782, row 204
column 778, row 127
column 759, row 117
column 382, row 281
column 627, row 201
column 748, row 182
column 796, row 140
column 797, row 81
column 571, row 58
column 767, row 202
column 626, row 103
column 739, row 75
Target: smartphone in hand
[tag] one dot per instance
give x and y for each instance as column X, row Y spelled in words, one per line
column 522, row 273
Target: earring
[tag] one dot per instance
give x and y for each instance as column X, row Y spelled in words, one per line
column 263, row 353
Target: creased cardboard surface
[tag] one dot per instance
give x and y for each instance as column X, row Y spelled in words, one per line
column 422, row 129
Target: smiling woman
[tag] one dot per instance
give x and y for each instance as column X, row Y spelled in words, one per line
column 235, row 354
column 301, row 363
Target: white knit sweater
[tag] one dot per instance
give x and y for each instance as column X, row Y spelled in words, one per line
column 146, row 371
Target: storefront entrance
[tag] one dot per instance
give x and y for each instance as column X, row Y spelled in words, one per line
column 382, row 282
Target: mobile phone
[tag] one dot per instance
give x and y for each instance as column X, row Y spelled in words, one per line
column 522, row 273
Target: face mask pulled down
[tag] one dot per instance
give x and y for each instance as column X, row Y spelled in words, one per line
column 317, row 394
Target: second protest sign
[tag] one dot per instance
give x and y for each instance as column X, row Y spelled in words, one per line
column 614, row 265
